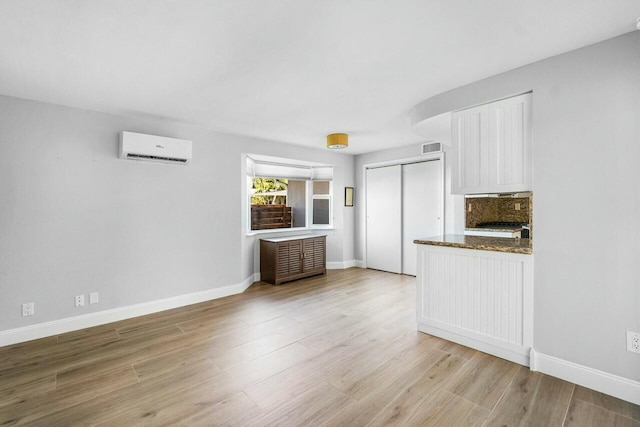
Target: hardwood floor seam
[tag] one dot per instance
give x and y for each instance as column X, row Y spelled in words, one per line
column 244, row 390
column 502, row 395
column 135, row 372
column 467, row 400
column 566, row 412
column 610, row 411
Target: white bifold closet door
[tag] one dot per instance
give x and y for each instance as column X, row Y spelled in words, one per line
column 422, row 189
column 384, row 210
column 403, row 204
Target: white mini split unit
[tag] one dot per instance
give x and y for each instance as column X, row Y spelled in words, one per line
column 151, row 148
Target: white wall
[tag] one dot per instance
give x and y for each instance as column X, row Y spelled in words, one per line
column 76, row 219
column 586, row 193
column 453, row 206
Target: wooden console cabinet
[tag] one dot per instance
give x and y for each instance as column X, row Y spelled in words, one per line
column 283, row 259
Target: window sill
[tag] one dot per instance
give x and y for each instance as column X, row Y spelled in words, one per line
column 287, row 231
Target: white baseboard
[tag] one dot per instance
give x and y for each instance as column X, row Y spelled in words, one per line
column 478, row 344
column 341, row 265
column 613, row 385
column 55, row 327
column 360, row 263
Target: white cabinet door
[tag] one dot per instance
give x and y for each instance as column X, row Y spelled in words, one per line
column 510, row 144
column 492, row 147
column 384, row 204
column 469, row 136
column 422, row 189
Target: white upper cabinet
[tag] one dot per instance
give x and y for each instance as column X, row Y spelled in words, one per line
column 492, row 145
column 470, row 139
column 510, row 144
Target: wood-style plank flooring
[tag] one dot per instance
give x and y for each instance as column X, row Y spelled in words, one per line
column 340, row 350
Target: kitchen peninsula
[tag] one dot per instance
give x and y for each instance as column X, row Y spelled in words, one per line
column 477, row 291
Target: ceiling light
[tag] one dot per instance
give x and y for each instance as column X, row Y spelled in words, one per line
column 337, row 140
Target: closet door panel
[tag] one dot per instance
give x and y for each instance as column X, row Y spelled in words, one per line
column 384, row 216
column 422, row 189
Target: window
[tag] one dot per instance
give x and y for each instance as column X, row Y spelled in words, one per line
column 286, row 194
column 321, row 202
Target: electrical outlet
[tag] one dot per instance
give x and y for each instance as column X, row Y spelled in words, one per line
column 633, row 342
column 517, row 206
column 79, row 300
column 93, row 298
column 28, row 309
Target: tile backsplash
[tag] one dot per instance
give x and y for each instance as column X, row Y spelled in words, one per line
column 492, row 209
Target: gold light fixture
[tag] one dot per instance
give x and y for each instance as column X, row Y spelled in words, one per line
column 337, row 140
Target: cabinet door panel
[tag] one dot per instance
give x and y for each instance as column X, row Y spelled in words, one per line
column 308, row 249
column 510, row 147
column 319, row 253
column 295, row 257
column 282, row 255
column 470, row 137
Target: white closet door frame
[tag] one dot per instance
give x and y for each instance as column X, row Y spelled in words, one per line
column 423, row 158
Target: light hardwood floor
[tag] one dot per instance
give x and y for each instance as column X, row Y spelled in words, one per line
column 340, row 349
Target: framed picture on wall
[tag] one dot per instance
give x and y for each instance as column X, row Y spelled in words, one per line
column 348, row 196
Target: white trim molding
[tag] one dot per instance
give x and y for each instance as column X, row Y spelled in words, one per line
column 604, row 382
column 55, row 327
column 341, row 265
column 360, row 263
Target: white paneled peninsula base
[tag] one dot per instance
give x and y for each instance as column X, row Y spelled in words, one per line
column 478, row 292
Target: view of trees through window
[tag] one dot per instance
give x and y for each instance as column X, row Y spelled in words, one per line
column 283, row 203
column 269, row 191
column 277, row 203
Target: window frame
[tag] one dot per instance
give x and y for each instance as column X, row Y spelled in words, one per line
column 313, row 197
column 309, row 196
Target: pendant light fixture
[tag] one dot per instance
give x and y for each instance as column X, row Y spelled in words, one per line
column 337, row 140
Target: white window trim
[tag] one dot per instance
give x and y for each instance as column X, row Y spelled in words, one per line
column 309, row 226
column 320, row 197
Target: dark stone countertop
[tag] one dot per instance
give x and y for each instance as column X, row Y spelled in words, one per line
column 499, row 244
column 507, row 229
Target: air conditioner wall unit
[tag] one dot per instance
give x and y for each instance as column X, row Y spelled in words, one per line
column 152, row 148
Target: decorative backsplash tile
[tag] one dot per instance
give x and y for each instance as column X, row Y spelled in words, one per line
column 493, row 209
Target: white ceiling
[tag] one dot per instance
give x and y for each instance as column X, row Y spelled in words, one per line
column 286, row 70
